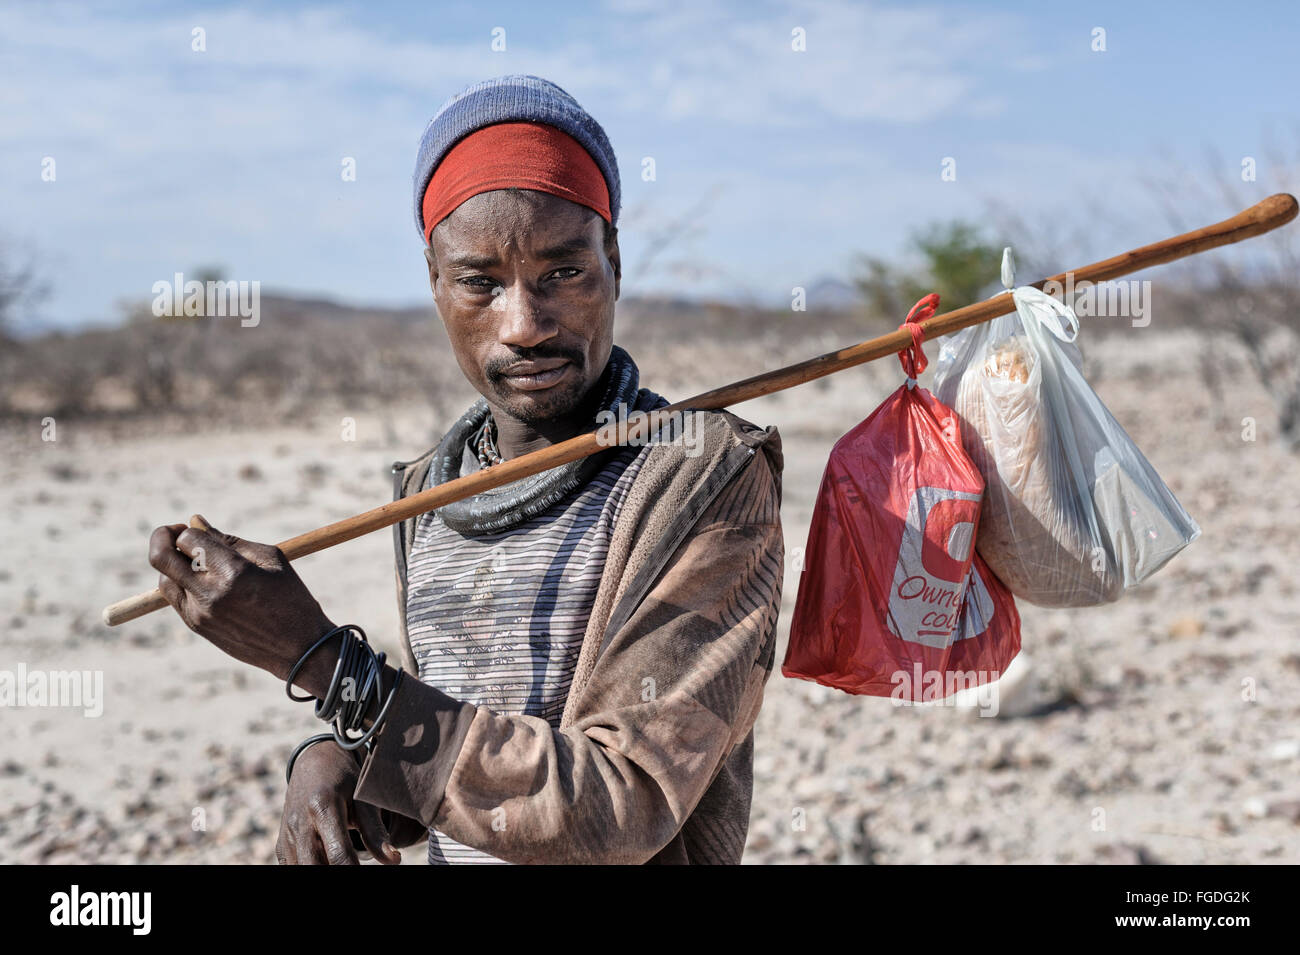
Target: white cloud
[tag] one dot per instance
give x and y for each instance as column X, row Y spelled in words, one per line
column 862, row 62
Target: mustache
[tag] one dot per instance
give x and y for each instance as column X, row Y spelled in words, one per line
column 494, row 368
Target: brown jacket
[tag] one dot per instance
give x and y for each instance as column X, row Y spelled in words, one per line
column 653, row 758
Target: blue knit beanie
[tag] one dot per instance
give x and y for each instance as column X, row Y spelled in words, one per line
column 517, row 98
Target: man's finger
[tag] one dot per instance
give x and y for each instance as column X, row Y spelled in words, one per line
column 310, row 846
column 374, row 835
column 172, row 593
column 338, row 847
column 165, row 558
column 334, row 837
column 199, row 522
column 206, row 548
column 264, row 555
column 311, row 851
column 290, row 843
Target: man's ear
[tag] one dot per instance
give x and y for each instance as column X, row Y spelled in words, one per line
column 433, row 268
column 615, row 258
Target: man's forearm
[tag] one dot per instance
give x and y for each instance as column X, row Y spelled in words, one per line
column 403, row 830
column 413, row 753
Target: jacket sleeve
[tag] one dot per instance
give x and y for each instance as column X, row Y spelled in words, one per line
column 678, row 686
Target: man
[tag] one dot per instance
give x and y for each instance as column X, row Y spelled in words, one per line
column 592, row 643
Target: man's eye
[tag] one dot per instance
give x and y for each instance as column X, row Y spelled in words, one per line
column 480, row 282
column 575, row 272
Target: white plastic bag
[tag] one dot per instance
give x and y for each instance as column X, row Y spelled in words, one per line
column 1073, row 513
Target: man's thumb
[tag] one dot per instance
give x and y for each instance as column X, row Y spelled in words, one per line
column 199, row 522
column 392, row 854
column 374, row 834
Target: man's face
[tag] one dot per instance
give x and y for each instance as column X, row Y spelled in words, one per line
column 526, row 291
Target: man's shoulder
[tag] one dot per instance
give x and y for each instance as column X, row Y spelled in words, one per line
column 703, row 467
column 689, row 445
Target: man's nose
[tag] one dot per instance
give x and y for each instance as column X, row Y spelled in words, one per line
column 524, row 321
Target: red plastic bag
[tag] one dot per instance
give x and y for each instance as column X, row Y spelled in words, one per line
column 893, row 600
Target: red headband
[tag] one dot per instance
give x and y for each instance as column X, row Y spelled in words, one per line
column 522, row 155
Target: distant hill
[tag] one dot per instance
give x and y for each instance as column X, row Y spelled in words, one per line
column 306, row 352
column 832, row 294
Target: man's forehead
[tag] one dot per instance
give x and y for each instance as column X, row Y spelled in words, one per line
column 546, row 227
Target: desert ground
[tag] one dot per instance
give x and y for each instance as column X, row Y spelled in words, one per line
column 1163, row 728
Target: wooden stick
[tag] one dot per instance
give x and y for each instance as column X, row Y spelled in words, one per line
column 1262, row 217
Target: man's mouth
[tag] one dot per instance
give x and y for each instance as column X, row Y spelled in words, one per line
column 537, row 375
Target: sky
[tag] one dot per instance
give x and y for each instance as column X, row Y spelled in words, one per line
column 784, row 164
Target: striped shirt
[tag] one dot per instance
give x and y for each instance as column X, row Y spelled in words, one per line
column 498, row 619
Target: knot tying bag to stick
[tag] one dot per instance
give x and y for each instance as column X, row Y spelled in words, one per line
column 893, row 600
column 1073, row 513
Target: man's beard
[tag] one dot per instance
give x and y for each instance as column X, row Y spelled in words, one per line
column 538, row 407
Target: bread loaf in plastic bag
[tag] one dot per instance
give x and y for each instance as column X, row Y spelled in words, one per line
column 1073, row 512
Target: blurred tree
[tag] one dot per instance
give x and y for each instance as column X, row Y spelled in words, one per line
column 20, row 288
column 1247, row 295
column 203, row 275
column 956, row 260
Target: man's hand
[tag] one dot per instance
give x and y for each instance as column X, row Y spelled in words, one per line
column 319, row 810
column 245, row 599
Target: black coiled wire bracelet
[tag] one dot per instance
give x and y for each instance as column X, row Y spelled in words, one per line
column 355, row 686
